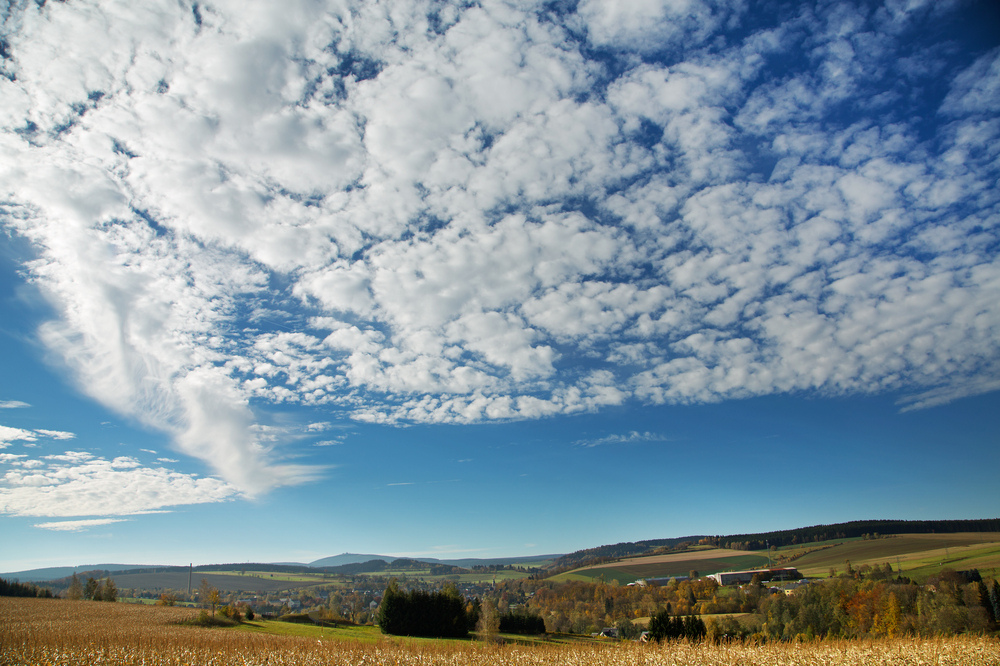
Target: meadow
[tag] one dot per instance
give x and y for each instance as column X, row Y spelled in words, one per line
column 60, row 632
column 918, row 556
column 705, row 560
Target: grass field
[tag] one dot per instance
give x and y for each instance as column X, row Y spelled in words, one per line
column 919, row 555
column 224, row 582
column 705, row 561
column 269, row 582
column 55, row 631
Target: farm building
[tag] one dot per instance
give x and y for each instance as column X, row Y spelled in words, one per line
column 643, row 582
column 738, row 577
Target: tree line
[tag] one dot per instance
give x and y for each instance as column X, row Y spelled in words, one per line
column 849, row 530
column 666, row 626
column 13, row 588
column 865, row 601
column 93, row 590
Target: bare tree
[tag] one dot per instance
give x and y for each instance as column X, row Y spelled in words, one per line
column 208, row 595
column 489, row 621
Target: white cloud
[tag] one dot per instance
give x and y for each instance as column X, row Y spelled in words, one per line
column 56, row 434
column 630, row 437
column 654, row 25
column 432, row 212
column 976, row 90
column 77, row 525
column 80, row 484
column 8, row 435
column 13, row 404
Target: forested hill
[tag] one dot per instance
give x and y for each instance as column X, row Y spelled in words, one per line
column 622, row 550
column 856, row 528
column 762, row 540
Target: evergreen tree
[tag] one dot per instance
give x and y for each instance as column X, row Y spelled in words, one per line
column 418, row 613
column 109, row 591
column 91, row 588
column 659, row 626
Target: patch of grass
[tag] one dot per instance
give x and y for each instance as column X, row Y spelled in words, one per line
column 203, row 619
column 362, row 633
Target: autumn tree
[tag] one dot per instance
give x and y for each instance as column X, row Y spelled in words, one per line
column 208, row 595
column 489, row 621
column 75, row 591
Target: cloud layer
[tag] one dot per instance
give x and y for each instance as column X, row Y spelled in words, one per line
column 77, row 483
column 427, row 212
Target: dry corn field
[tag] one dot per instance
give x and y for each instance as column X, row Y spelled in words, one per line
column 52, row 632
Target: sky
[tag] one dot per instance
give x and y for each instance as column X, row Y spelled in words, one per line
column 285, row 280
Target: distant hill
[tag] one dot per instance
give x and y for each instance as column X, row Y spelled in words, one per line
column 761, row 540
column 53, row 573
column 527, row 561
column 347, row 558
column 465, row 563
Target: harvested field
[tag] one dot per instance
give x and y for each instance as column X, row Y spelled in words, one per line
column 42, row 631
column 688, row 556
column 709, row 560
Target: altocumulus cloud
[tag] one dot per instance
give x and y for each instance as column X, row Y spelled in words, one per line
column 77, row 483
column 416, row 211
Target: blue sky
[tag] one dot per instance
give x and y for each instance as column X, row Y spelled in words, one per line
column 491, row 279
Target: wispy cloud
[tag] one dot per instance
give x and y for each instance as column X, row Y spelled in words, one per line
column 13, row 404
column 56, row 434
column 78, row 525
column 628, row 438
column 9, row 434
column 335, row 206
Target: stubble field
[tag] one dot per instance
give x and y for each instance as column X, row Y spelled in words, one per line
column 55, row 632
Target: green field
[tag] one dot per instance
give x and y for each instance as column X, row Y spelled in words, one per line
column 224, row 582
column 362, row 633
column 626, row 573
column 918, row 555
column 271, row 582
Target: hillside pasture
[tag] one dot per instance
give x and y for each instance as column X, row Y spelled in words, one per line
column 705, row 561
column 919, row 555
column 224, row 582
